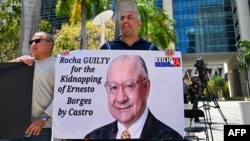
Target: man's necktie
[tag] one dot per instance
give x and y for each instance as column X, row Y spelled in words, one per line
column 125, row 134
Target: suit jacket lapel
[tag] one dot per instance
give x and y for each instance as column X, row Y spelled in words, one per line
column 150, row 128
column 113, row 130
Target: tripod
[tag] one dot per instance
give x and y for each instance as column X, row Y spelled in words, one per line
column 206, row 106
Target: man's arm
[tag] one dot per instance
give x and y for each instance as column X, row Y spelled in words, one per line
column 25, row 58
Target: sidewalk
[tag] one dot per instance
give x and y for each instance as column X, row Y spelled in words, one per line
column 228, row 112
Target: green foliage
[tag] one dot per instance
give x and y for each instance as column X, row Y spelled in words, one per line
column 216, row 84
column 45, row 26
column 80, row 11
column 94, row 34
column 225, row 90
column 67, row 38
column 243, row 54
column 157, row 27
column 219, row 82
column 72, row 8
column 212, row 87
column 10, row 16
column 10, row 12
column 95, row 7
column 63, row 7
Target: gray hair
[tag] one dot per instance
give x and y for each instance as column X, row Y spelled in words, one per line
column 48, row 37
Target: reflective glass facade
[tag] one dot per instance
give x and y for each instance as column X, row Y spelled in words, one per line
column 158, row 3
column 204, row 26
column 48, row 13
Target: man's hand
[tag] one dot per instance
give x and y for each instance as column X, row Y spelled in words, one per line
column 25, row 58
column 35, row 127
column 169, row 52
column 65, row 52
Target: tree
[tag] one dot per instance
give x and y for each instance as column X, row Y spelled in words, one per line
column 163, row 37
column 219, row 84
column 10, row 17
column 243, row 57
column 30, row 18
column 157, row 27
column 9, row 28
column 94, row 34
column 80, row 10
column 45, row 26
column 68, row 36
column 243, row 54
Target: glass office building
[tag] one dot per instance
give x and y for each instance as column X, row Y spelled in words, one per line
column 211, row 27
column 240, row 12
column 158, row 3
column 48, row 13
column 204, row 26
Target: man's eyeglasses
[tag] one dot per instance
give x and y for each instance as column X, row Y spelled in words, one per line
column 37, row 41
column 128, row 86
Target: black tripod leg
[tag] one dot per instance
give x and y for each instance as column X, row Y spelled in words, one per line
column 208, row 119
column 216, row 103
column 218, row 106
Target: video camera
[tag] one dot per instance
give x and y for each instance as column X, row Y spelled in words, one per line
column 201, row 68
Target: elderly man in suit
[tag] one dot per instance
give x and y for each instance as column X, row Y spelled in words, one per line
column 128, row 88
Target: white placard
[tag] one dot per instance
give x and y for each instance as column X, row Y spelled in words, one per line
column 81, row 106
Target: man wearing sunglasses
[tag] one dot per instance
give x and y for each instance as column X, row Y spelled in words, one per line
column 128, row 88
column 41, row 47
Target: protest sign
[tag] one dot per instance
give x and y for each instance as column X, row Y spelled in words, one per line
column 81, row 100
column 16, row 81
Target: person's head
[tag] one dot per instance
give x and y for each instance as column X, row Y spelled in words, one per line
column 128, row 88
column 41, row 45
column 130, row 23
column 194, row 78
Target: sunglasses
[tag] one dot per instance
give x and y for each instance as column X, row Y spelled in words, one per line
column 36, row 41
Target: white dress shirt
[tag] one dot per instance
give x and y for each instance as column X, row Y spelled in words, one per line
column 136, row 128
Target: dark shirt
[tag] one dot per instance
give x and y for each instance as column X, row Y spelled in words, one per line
column 118, row 44
column 195, row 88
